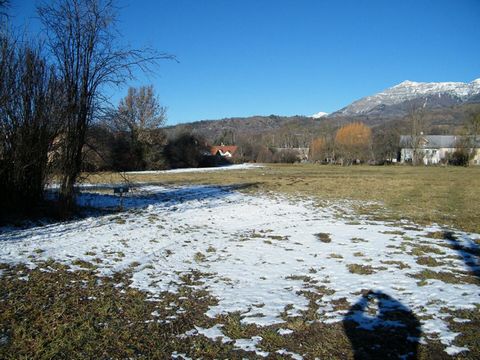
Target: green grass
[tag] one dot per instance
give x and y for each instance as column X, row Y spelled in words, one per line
column 444, row 195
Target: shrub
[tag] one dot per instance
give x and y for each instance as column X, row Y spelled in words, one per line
column 186, row 150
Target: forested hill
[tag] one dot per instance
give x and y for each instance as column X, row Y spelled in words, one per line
column 242, row 126
column 230, row 130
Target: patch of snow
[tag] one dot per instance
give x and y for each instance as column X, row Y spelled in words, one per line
column 3, row 340
column 408, row 90
column 458, row 320
column 293, row 355
column 176, row 355
column 262, row 247
column 453, row 350
column 213, row 333
column 319, row 115
column 250, row 345
column 245, row 166
column 284, row 331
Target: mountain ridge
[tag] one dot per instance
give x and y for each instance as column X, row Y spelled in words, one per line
column 445, row 107
column 411, row 93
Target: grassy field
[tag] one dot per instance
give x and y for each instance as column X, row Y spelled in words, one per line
column 445, row 195
column 65, row 309
column 61, row 314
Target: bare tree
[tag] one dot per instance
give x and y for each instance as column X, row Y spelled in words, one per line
column 473, row 123
column 385, row 144
column 417, row 128
column 141, row 116
column 227, row 137
column 140, row 111
column 29, row 123
column 85, row 46
column 471, row 139
column 4, row 4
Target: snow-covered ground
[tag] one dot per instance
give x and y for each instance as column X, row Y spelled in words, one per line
column 255, row 250
column 245, row 166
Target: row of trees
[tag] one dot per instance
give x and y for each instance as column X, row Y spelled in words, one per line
column 52, row 92
column 346, row 145
column 357, row 142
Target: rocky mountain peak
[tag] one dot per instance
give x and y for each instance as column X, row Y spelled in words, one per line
column 438, row 94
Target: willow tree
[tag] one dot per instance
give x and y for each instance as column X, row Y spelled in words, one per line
column 85, row 45
column 353, row 142
column 322, row 149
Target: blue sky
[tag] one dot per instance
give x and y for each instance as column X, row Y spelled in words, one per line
column 287, row 57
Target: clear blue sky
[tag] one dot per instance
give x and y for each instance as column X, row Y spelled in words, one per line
column 287, row 57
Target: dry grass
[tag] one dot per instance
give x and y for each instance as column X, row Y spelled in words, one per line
column 363, row 269
column 447, row 277
column 323, row 237
column 445, row 195
column 51, row 312
column 58, row 314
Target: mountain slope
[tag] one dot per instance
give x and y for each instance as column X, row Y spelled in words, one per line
column 446, row 107
column 248, row 126
column 399, row 99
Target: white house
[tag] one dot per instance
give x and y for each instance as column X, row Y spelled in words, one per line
column 434, row 149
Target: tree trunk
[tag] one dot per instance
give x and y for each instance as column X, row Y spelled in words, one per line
column 72, row 165
column 67, row 196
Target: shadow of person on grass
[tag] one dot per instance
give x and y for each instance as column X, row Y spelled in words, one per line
column 468, row 249
column 380, row 327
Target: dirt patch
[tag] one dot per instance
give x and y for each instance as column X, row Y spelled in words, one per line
column 363, row 269
column 323, row 237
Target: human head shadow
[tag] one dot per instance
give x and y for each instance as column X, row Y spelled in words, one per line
column 380, row 327
column 468, row 250
column 99, row 200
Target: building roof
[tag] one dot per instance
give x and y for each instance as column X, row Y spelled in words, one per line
column 223, row 149
column 432, row 141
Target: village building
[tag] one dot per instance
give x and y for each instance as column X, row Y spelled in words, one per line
column 227, row 151
column 437, row 149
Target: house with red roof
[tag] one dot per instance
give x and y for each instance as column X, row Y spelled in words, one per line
column 226, row 151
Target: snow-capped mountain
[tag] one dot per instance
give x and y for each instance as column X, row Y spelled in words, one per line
column 397, row 99
column 319, row 115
